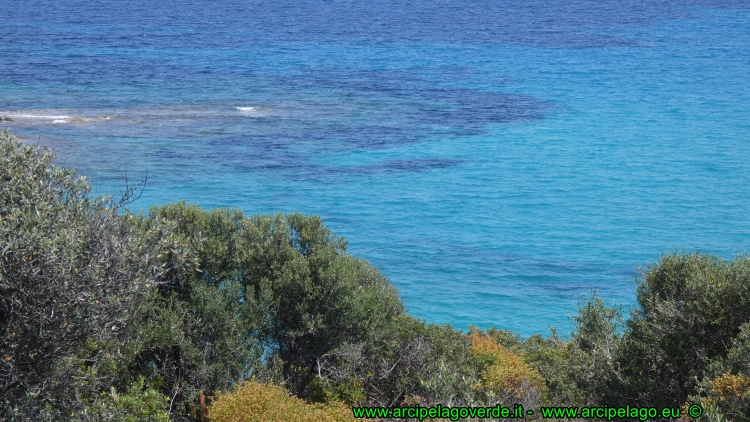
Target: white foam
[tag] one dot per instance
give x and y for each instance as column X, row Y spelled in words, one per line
column 41, row 117
column 251, row 111
column 35, row 116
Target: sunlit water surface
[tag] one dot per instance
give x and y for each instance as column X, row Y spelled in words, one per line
column 497, row 159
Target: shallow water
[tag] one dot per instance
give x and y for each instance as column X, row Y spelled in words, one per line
column 495, row 159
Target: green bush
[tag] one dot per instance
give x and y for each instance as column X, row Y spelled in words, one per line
column 266, row 297
column 412, row 363
column 593, row 351
column 196, row 333
column 691, row 307
column 553, row 358
column 725, row 388
column 313, row 297
column 72, row 273
column 138, row 404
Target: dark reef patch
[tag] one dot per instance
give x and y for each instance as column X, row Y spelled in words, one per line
column 416, row 165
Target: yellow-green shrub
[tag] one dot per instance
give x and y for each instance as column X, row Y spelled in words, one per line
column 506, row 374
column 253, row 401
column 729, row 388
column 731, row 394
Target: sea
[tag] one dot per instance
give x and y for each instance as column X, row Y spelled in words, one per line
column 498, row 160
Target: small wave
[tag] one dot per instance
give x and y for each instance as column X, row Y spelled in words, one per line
column 43, row 118
column 84, row 119
column 251, row 111
column 34, row 116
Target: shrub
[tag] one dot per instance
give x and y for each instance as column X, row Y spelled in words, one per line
column 73, row 273
column 138, row 404
column 505, row 375
column 691, row 307
column 252, row 402
column 553, row 358
column 312, row 296
column 591, row 354
column 725, row 389
column 737, row 360
column 240, row 295
column 196, row 334
column 731, row 392
column 413, row 363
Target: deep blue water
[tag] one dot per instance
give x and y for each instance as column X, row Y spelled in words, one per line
column 497, row 159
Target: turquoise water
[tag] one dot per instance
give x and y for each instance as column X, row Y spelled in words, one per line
column 495, row 160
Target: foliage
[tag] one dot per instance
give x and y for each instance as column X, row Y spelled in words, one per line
column 505, row 376
column 72, row 276
column 196, row 334
column 553, row 357
column 263, row 402
column 240, row 294
column 725, row 388
column 737, row 360
column 316, row 298
column 235, row 296
column 593, row 351
column 413, row 363
column 732, row 392
column 138, row 404
column 691, row 309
